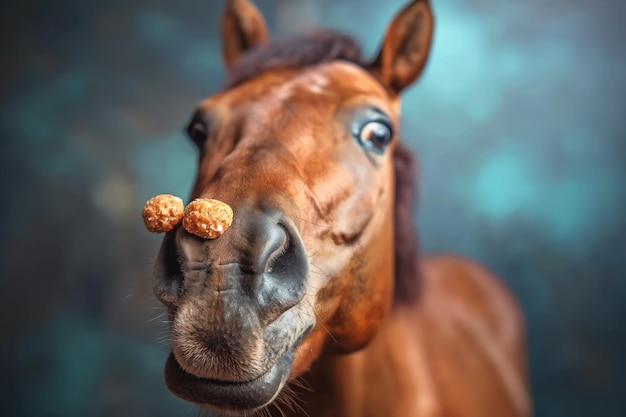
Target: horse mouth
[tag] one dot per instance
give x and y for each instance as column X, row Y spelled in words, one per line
column 230, row 396
column 225, row 395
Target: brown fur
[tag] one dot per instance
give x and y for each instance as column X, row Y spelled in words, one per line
column 325, row 45
column 319, row 275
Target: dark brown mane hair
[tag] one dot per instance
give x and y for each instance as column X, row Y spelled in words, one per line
column 323, row 46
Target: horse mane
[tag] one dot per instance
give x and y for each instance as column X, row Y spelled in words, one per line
column 328, row 45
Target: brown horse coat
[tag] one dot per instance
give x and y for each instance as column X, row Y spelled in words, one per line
column 315, row 301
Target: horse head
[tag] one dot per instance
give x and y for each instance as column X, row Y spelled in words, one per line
column 303, row 154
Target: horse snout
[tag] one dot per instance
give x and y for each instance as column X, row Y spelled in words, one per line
column 261, row 258
column 236, row 307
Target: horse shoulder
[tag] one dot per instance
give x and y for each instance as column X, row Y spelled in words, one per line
column 472, row 330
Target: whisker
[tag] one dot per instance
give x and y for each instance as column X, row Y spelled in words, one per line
column 280, row 410
column 302, row 383
column 293, row 397
column 147, row 307
column 158, row 316
column 285, row 398
column 320, row 270
column 312, row 223
column 321, row 322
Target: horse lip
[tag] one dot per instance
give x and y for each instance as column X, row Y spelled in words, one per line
column 232, row 396
column 226, row 395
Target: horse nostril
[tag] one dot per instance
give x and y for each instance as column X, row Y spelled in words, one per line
column 283, row 263
column 287, row 260
column 275, row 259
column 283, row 257
column 168, row 275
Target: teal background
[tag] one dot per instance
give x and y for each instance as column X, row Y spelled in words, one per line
column 519, row 122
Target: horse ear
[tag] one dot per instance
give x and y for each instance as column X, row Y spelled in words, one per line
column 243, row 28
column 405, row 47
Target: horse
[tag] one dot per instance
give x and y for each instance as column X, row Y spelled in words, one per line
column 317, row 301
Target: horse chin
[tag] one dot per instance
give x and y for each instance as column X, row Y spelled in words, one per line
column 226, row 396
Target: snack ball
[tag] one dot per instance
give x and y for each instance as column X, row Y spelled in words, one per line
column 162, row 213
column 207, row 218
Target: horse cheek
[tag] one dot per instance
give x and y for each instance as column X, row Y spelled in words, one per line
column 366, row 301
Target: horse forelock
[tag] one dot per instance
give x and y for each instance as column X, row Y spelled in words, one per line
column 324, row 45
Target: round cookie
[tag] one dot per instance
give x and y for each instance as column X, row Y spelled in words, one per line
column 162, row 213
column 207, row 218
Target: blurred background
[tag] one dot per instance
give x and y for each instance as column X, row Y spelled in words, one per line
column 519, row 122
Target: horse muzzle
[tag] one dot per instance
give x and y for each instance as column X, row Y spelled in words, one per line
column 236, row 308
column 241, row 396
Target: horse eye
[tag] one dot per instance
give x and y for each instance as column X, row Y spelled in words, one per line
column 198, row 130
column 375, row 136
